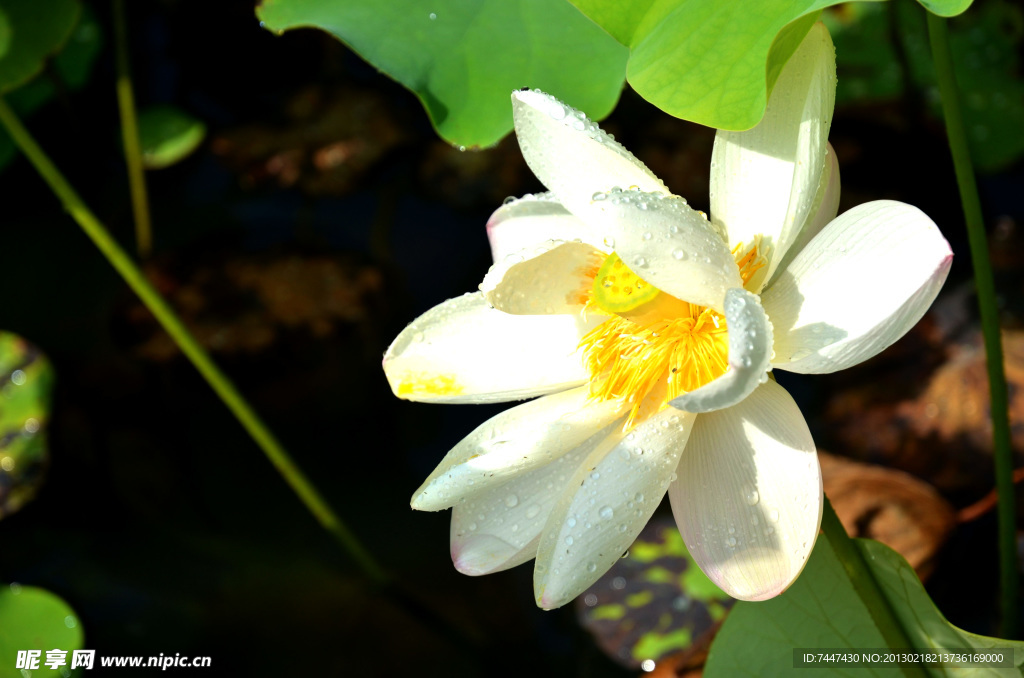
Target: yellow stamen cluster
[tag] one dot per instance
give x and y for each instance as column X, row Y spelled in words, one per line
column 751, row 262
column 654, row 342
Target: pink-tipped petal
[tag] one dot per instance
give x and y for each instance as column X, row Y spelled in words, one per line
column 857, row 287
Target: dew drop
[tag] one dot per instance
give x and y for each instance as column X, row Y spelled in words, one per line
column 731, row 542
column 638, row 497
column 773, row 516
column 571, row 522
column 606, row 512
column 595, row 475
column 568, row 541
column 753, row 497
column 471, row 526
column 609, row 242
column 640, row 262
column 591, row 567
column 511, row 501
column 597, row 197
column 678, row 255
column 432, row 16
column 647, row 234
column 532, row 511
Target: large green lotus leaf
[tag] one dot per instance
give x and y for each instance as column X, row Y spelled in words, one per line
column 924, row 625
column 26, row 381
column 654, row 601
column 712, row 61
column 463, row 58
column 824, row 610
column 35, row 619
column 33, row 32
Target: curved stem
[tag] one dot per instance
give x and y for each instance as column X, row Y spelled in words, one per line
column 863, row 581
column 985, row 284
column 130, row 136
column 221, row 385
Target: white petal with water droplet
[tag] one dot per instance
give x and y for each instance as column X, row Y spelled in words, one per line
column 857, row 287
column 571, row 155
column 512, row 443
column 750, row 349
column 553, row 277
column 462, row 350
column 650, row 230
column 626, row 478
column 530, row 221
column 763, row 180
column 491, row 533
column 763, row 446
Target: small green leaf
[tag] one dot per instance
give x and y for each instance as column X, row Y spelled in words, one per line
column 464, row 58
column 26, row 381
column 168, row 135
column 33, row 36
column 35, row 619
column 823, row 610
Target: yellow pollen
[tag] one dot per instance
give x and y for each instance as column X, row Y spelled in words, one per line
column 659, row 342
column 426, row 384
column 751, row 262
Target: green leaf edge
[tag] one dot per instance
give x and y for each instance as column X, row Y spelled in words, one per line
column 49, row 52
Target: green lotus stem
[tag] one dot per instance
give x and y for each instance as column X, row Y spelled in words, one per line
column 130, row 136
column 221, row 385
column 857, row 569
column 983, row 280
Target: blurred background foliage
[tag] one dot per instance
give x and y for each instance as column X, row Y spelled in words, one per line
column 304, row 211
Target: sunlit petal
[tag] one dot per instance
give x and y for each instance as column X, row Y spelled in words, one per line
column 763, row 180
column 553, row 277
column 748, row 498
column 860, row 285
column 823, row 211
column 514, row 442
column 605, row 505
column 463, row 350
column 571, row 155
column 500, row 528
column 528, row 221
column 668, row 244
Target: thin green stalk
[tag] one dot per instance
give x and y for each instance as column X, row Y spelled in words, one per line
column 130, row 135
column 863, row 581
column 188, row 345
column 985, row 285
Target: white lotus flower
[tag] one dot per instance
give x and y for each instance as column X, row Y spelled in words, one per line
column 649, row 332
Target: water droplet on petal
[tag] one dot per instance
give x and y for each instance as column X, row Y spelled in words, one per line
column 753, row 497
column 511, row 500
column 606, row 512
